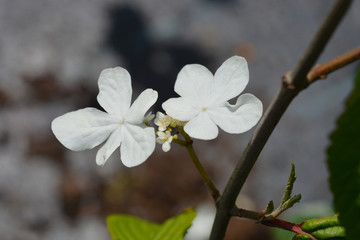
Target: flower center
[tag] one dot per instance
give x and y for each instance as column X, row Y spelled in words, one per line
column 204, row 109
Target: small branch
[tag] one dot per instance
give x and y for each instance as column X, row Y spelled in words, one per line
column 270, row 222
column 288, row 226
column 243, row 213
column 319, row 42
column 295, row 83
column 321, row 71
column 207, row 180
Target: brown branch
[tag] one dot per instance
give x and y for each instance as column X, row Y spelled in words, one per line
column 321, row 71
column 295, row 83
column 319, row 42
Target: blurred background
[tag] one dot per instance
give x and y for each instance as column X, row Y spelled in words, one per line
column 51, row 54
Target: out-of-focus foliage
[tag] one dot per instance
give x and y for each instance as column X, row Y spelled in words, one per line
column 127, row 227
column 322, row 228
column 344, row 164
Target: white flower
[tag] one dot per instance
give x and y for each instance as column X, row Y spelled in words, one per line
column 165, row 139
column 203, row 100
column 162, row 120
column 121, row 124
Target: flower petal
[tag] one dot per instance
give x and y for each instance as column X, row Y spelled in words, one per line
column 230, row 79
column 202, row 127
column 194, row 83
column 141, row 105
column 112, row 143
column 240, row 117
column 180, row 109
column 115, row 91
column 166, row 146
column 137, row 144
column 160, row 140
column 83, row 129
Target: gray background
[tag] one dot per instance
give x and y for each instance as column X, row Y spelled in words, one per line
column 51, row 53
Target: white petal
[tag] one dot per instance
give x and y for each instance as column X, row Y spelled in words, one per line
column 137, row 144
column 201, row 127
column 166, row 146
column 161, row 134
column 115, row 90
column 240, row 117
column 150, row 116
column 180, row 109
column 159, row 118
column 230, row 79
column 194, row 83
column 83, row 129
column 109, row 147
column 160, row 140
column 141, row 105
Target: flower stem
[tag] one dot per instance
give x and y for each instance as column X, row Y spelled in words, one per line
column 207, row 180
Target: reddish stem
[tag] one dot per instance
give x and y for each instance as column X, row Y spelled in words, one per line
column 295, row 228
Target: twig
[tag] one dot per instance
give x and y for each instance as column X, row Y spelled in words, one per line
column 295, row 82
column 319, row 42
column 270, row 222
column 321, row 71
column 295, row 228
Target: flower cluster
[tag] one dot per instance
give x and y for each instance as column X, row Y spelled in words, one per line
column 201, row 108
column 166, row 125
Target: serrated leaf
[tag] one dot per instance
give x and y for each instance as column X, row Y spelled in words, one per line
column 127, row 227
column 289, row 185
column 344, row 164
column 175, row 228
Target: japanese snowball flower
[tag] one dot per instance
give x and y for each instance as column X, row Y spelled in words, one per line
column 121, row 124
column 203, row 100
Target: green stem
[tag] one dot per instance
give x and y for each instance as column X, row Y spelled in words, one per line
column 207, row 180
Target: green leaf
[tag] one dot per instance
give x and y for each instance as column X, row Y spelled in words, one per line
column 330, row 232
column 301, row 237
column 127, row 227
column 319, row 223
column 289, row 186
column 175, row 228
column 344, row 164
column 269, row 208
column 290, row 203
